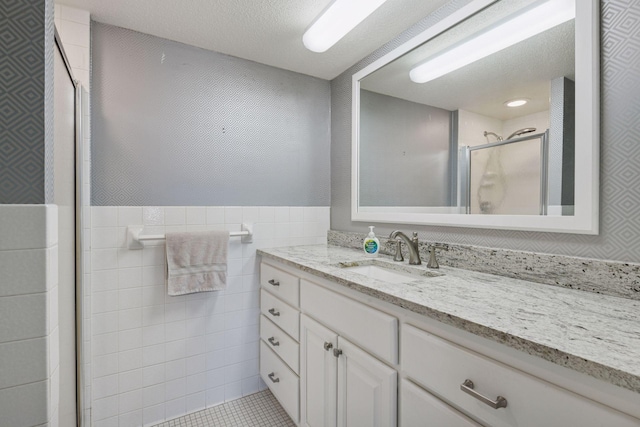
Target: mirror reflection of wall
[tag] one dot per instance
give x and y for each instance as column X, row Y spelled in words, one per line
column 405, row 152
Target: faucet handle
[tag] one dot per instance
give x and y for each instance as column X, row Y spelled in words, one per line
column 398, row 256
column 433, row 262
column 442, row 246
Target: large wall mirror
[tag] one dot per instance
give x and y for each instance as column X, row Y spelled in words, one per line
column 488, row 119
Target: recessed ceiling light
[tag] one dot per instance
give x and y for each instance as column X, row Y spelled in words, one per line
column 336, row 21
column 516, row 102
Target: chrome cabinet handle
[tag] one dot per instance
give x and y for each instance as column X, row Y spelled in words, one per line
column 328, row 346
column 274, row 283
column 274, row 312
column 273, row 341
column 273, row 378
column 467, row 387
column 337, row 352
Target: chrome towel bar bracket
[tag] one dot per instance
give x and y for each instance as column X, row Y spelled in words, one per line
column 135, row 238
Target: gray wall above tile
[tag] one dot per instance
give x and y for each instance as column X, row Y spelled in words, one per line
column 177, row 125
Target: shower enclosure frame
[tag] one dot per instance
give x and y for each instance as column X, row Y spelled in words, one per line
column 79, row 225
column 544, row 169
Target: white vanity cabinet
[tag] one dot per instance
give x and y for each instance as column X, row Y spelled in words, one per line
column 279, row 334
column 347, row 359
column 342, row 385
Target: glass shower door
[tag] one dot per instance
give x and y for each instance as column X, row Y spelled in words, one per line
column 508, row 177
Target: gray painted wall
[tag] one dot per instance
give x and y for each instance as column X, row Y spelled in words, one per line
column 177, row 125
column 619, row 237
column 26, row 101
column 562, row 142
column 398, row 135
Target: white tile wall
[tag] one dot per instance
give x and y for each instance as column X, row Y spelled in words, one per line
column 25, row 405
column 14, row 263
column 26, row 227
column 156, row 357
column 28, row 315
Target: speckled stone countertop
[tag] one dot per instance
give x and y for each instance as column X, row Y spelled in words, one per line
column 594, row 334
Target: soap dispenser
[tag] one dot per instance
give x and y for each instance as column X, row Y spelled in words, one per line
column 371, row 243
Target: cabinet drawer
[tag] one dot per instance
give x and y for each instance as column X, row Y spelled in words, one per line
column 282, row 344
column 284, row 384
column 441, row 367
column 280, row 313
column 419, row 407
column 371, row 329
column 280, row 283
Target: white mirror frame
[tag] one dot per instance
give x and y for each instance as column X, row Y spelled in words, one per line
column 587, row 144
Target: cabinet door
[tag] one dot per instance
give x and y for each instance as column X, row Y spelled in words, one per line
column 367, row 389
column 319, row 372
column 420, row 408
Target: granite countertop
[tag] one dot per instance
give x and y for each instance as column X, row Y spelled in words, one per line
column 594, row 334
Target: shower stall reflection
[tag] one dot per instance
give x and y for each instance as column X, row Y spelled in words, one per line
column 509, row 176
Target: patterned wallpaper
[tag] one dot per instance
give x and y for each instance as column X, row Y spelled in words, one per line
column 26, row 101
column 49, row 128
column 177, row 125
column 619, row 237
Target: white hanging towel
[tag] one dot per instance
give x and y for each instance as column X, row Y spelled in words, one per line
column 196, row 261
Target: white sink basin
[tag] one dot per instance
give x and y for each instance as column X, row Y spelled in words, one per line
column 379, row 273
column 390, row 274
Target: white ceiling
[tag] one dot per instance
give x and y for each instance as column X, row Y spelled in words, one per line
column 265, row 31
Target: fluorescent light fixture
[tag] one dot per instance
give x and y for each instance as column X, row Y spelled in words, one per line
column 516, row 102
column 336, row 21
column 535, row 19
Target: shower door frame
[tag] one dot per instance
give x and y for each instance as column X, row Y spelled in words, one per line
column 79, row 225
column 544, row 170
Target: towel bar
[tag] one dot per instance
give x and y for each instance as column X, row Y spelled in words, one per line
column 135, row 238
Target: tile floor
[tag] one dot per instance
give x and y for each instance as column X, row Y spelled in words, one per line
column 256, row 410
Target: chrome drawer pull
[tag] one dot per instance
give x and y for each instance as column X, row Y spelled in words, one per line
column 467, row 387
column 337, row 352
column 272, row 377
column 274, row 283
column 273, row 341
column 274, row 312
column 328, row 346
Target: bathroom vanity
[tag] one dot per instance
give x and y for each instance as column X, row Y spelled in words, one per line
column 445, row 347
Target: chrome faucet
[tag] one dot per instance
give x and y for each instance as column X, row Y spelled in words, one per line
column 412, row 244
